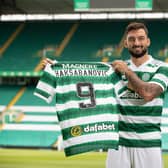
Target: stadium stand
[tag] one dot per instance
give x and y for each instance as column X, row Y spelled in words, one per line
column 92, row 37
column 68, row 41
column 26, row 49
column 164, row 126
column 30, row 122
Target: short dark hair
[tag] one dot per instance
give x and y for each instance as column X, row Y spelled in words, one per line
column 136, row 26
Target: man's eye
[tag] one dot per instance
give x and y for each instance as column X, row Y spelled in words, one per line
column 138, row 38
column 131, row 39
column 141, row 38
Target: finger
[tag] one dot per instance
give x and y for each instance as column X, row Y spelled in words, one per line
column 114, row 63
column 49, row 61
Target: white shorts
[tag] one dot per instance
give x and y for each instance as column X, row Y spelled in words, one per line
column 126, row 157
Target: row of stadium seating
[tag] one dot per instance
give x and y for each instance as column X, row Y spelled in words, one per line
column 33, row 123
column 29, row 121
column 26, row 49
column 22, row 45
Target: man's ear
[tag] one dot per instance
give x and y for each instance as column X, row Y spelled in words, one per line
column 148, row 42
column 125, row 44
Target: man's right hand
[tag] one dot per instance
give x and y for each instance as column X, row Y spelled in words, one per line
column 120, row 66
column 46, row 61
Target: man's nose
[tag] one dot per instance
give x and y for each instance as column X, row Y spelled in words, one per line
column 136, row 41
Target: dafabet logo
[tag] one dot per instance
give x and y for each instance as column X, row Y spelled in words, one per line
column 92, row 128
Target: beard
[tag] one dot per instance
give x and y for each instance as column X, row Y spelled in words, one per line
column 138, row 54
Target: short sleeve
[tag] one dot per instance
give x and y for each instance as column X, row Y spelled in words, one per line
column 161, row 77
column 46, row 86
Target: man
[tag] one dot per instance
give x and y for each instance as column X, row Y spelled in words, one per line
column 140, row 97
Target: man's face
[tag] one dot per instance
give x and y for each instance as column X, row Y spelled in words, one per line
column 137, row 43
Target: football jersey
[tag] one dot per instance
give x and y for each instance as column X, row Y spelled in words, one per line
column 139, row 120
column 86, row 104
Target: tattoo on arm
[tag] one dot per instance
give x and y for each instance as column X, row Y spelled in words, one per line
column 146, row 90
column 153, row 89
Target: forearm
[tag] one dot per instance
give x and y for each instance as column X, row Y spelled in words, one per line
column 146, row 90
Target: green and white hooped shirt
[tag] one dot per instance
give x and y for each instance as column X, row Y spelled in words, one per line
column 86, row 104
column 139, row 121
